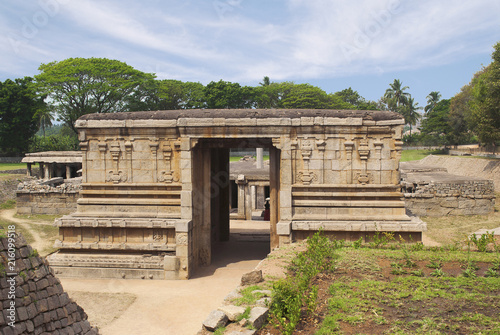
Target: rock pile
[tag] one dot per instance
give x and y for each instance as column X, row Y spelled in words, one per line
column 240, row 320
column 38, row 186
column 32, row 298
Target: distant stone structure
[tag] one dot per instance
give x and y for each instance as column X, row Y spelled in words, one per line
column 249, row 188
column 57, row 188
column 156, row 185
column 38, row 303
column 432, row 191
column 63, row 164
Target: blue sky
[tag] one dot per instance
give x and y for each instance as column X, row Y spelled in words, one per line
column 429, row 45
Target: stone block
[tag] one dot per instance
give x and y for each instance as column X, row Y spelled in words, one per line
column 258, row 315
column 215, row 320
column 252, row 278
column 232, row 312
column 284, row 228
column 171, row 263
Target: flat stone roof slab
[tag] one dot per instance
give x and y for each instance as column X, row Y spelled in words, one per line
column 245, row 113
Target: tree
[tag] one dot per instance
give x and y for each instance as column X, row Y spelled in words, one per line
column 410, row 112
column 45, row 117
column 485, row 102
column 305, row 96
column 353, row 98
column 270, row 94
column 458, row 117
column 395, row 96
column 79, row 86
column 19, row 105
column 436, row 125
column 224, row 94
column 166, row 95
column 432, row 99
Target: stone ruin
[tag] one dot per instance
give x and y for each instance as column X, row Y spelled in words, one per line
column 55, row 188
column 32, row 299
column 432, row 191
column 155, row 185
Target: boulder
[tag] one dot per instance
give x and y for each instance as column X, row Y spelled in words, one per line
column 251, row 278
column 258, row 315
column 215, row 320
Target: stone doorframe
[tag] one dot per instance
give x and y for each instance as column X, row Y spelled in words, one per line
column 146, row 209
column 210, row 183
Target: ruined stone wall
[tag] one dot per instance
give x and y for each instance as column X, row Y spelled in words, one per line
column 473, row 197
column 33, row 198
column 32, row 298
column 46, row 203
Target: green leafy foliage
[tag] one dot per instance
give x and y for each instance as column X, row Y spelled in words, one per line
column 296, row 292
column 166, row 95
column 224, row 94
column 19, row 106
column 79, row 86
column 482, row 241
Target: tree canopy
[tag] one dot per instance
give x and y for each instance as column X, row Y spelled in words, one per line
column 224, row 94
column 79, row 86
column 485, row 101
column 19, row 107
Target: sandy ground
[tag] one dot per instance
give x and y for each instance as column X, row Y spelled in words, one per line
column 166, row 307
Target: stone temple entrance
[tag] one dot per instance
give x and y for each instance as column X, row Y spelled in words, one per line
column 155, row 185
column 211, row 192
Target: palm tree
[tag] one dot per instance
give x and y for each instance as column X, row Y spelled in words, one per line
column 396, row 96
column 45, row 118
column 410, row 112
column 432, row 99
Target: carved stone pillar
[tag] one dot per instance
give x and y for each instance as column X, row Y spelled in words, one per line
column 349, row 147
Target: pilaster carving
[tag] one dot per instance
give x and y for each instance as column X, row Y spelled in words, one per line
column 167, row 176
column 153, row 146
column 128, row 150
column 364, row 151
column 307, row 177
column 349, row 148
column 116, row 175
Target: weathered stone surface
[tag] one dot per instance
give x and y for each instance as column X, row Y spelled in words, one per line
column 258, row 315
column 215, row 320
column 235, row 294
column 430, row 191
column 252, row 278
column 41, row 304
column 143, row 172
column 232, row 312
column 242, row 332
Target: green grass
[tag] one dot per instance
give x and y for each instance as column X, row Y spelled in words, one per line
column 10, row 166
column 361, row 297
column 9, row 204
column 237, row 158
column 415, row 155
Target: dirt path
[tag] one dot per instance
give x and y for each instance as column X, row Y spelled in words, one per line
column 39, row 243
column 165, row 307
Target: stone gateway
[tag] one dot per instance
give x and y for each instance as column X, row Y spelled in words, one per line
column 155, row 189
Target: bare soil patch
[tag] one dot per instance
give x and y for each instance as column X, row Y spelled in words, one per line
column 103, row 308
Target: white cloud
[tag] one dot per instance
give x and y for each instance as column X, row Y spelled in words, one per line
column 247, row 39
